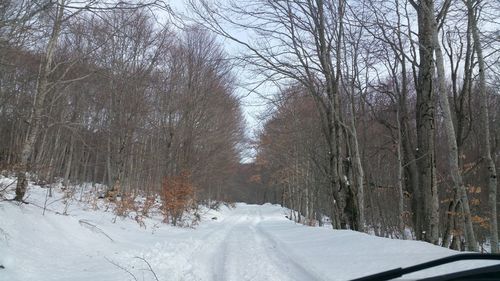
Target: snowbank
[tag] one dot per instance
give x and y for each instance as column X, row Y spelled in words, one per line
column 248, row 242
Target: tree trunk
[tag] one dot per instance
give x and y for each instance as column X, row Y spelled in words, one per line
column 51, row 166
column 401, row 221
column 492, row 174
column 456, row 176
column 359, row 175
column 411, row 167
column 69, row 161
column 41, row 93
column 426, row 123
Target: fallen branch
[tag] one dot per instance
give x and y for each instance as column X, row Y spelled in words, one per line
column 122, row 268
column 94, row 228
column 41, row 207
column 149, row 265
column 7, row 186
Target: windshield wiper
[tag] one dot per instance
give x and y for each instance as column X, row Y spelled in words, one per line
column 399, row 272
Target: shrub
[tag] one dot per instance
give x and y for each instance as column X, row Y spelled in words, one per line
column 178, row 196
column 148, row 204
column 125, row 205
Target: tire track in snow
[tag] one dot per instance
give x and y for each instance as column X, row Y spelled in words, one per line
column 248, row 254
column 237, row 248
column 209, row 258
column 281, row 257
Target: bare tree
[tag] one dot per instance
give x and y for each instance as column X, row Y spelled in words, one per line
column 458, row 185
column 300, row 42
column 472, row 13
column 42, row 90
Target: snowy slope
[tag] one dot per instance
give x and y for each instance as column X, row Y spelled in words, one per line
column 249, row 242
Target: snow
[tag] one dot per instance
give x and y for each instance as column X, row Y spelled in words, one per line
column 248, row 242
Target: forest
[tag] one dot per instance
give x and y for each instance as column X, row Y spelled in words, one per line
column 381, row 116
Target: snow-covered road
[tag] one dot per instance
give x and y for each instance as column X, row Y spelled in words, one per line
column 248, row 242
column 240, row 249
